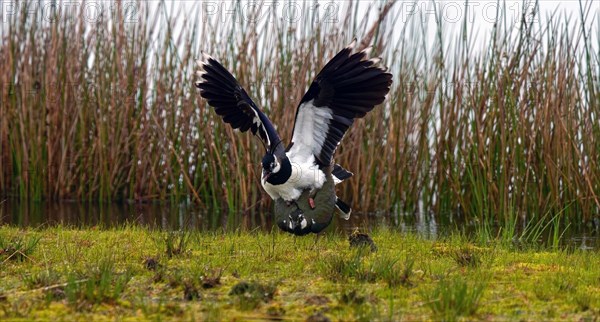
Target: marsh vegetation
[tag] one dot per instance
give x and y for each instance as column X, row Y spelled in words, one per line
column 105, row 110
column 133, row 272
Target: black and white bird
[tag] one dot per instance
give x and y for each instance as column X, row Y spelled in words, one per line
column 348, row 87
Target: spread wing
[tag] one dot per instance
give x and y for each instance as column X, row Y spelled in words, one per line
column 348, row 87
column 232, row 103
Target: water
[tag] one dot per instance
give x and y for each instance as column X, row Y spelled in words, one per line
column 189, row 216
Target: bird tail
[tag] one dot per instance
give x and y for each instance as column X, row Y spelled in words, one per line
column 344, row 208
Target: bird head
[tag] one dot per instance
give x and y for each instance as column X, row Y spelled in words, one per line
column 270, row 164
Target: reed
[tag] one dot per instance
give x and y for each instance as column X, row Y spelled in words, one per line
column 106, row 110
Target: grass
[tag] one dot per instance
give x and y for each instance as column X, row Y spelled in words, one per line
column 176, row 242
column 99, row 284
column 106, row 111
column 453, row 298
column 361, row 267
column 18, row 247
column 91, row 274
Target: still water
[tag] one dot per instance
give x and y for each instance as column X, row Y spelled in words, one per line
column 189, row 216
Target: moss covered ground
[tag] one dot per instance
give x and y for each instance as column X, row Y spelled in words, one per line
column 135, row 273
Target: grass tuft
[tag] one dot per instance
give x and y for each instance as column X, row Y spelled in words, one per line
column 190, row 292
column 42, row 279
column 176, row 242
column 454, row 297
column 17, row 248
column 100, row 284
column 249, row 295
column 360, row 267
column 467, row 257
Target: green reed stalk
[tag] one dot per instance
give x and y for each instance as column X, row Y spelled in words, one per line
column 107, row 111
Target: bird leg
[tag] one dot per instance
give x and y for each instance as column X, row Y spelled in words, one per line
column 311, row 200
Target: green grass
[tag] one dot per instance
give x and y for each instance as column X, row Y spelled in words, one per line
column 17, row 247
column 454, row 297
column 126, row 273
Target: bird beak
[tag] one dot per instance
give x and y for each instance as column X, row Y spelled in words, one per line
column 266, row 175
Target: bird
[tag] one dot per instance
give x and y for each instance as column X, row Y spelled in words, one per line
column 349, row 86
column 299, row 218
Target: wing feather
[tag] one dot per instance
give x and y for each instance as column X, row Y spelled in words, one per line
column 230, row 101
column 348, row 87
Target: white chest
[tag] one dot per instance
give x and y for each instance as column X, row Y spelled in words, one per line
column 305, row 175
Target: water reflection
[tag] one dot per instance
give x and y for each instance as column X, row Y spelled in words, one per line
column 189, row 216
column 83, row 215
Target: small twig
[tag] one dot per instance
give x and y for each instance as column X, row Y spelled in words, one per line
column 45, row 288
column 15, row 253
column 426, row 302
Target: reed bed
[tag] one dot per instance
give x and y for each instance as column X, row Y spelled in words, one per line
column 105, row 109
